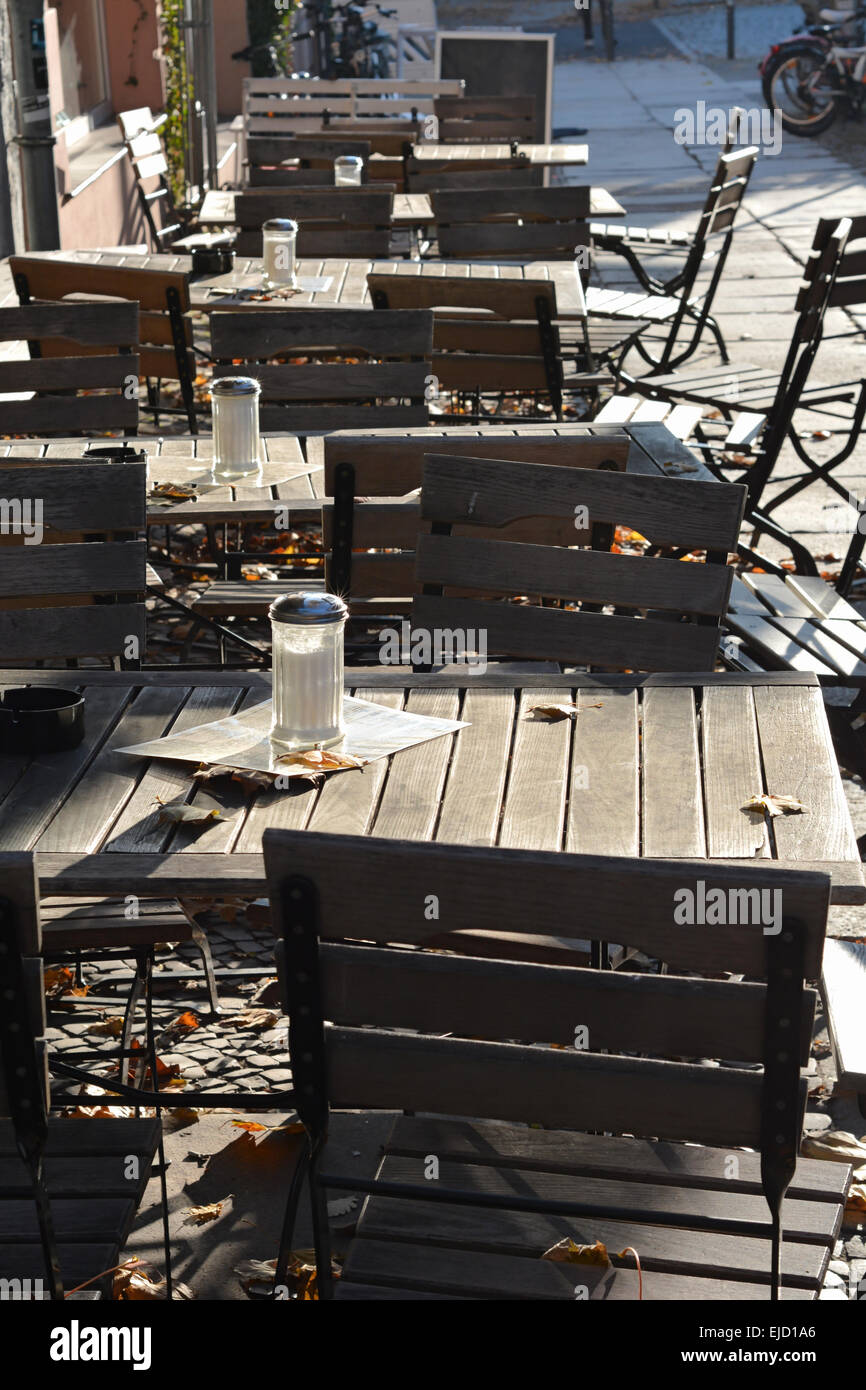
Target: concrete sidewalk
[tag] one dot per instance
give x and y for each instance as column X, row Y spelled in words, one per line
column 630, row 111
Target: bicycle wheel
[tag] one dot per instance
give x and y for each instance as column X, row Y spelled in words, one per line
column 802, row 85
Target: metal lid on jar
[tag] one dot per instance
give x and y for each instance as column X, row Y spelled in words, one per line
column 353, row 160
column 279, row 224
column 308, row 608
column 235, row 386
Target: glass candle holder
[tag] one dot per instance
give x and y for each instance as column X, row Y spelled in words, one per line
column 307, row 658
column 348, row 170
column 279, row 237
column 235, row 405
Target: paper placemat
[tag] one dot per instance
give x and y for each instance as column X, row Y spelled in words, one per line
column 243, row 740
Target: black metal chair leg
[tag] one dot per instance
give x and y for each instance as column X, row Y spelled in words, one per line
column 136, row 992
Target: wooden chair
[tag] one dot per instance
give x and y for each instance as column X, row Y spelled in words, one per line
column 479, row 119
column 534, row 1143
column 281, row 105
column 167, row 224
column 498, row 335
column 77, row 593
column 833, row 278
column 278, row 162
column 665, row 614
column 391, row 378
column 70, row 1188
column 499, row 224
column 370, row 544
column 108, row 333
column 678, row 304
column 331, row 221
column 166, row 344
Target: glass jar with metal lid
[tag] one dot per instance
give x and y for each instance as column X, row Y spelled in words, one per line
column 348, row 170
column 236, row 444
column 279, row 239
column 307, row 658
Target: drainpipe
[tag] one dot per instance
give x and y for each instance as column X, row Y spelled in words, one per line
column 35, row 139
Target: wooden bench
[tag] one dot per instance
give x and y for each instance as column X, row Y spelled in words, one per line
column 391, row 378
column 165, row 333
column 500, row 335
column 280, row 162
column 331, row 221
column 650, row 597
column 466, row 1207
column 73, row 348
column 69, row 1188
column 370, row 544
column 480, row 119
column 79, row 593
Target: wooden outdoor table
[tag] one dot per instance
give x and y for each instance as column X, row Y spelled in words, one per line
column 348, row 279
column 410, row 209
column 483, row 156
column 293, row 476
column 654, row 766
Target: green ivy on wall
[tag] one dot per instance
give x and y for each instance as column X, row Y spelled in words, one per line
column 178, row 95
column 143, row 12
column 269, row 21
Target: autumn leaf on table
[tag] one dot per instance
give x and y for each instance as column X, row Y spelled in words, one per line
column 191, row 812
column 250, row 779
column 317, row 761
column 172, row 492
column 675, row 469
column 775, row 805
column 567, row 1251
column 566, row 709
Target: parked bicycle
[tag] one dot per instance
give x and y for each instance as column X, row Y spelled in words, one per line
column 811, row 77
column 347, row 42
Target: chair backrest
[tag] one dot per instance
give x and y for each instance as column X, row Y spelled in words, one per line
column 140, row 131
column 433, row 1032
column 499, row 223
column 687, row 515
column 727, row 190
column 370, row 545
column 427, row 177
column 820, row 290
column 274, row 105
column 396, row 347
column 475, row 118
column 275, row 162
column 487, row 334
column 24, row 1088
column 162, row 295
column 72, row 569
column 331, row 221
column 110, row 367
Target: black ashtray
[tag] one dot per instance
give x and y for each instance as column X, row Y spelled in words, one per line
column 40, row 719
column 212, row 260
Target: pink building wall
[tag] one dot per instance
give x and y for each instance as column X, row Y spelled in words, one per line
column 230, row 34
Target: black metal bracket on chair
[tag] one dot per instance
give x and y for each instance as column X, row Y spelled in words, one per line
column 340, row 578
column 25, row 1084
column 380, row 299
column 299, row 919
column 780, row 1106
column 181, row 352
column 549, row 354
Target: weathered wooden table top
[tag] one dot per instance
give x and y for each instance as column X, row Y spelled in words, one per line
column 292, row 474
column 410, row 209
column 653, row 766
column 348, row 279
column 541, row 156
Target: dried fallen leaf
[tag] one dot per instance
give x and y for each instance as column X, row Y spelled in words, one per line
column 251, row 779
column 172, row 492
column 107, row 1028
column 316, row 761
column 566, row 1251
column 135, row 1283
column 200, row 1216
column 191, row 813
column 257, row 1276
column 341, row 1206
column 567, row 709
column 251, row 1126
column 253, row 1020
column 179, row 1027
column 59, row 981
column 855, row 1202
column 839, row 1146
column 775, row 805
